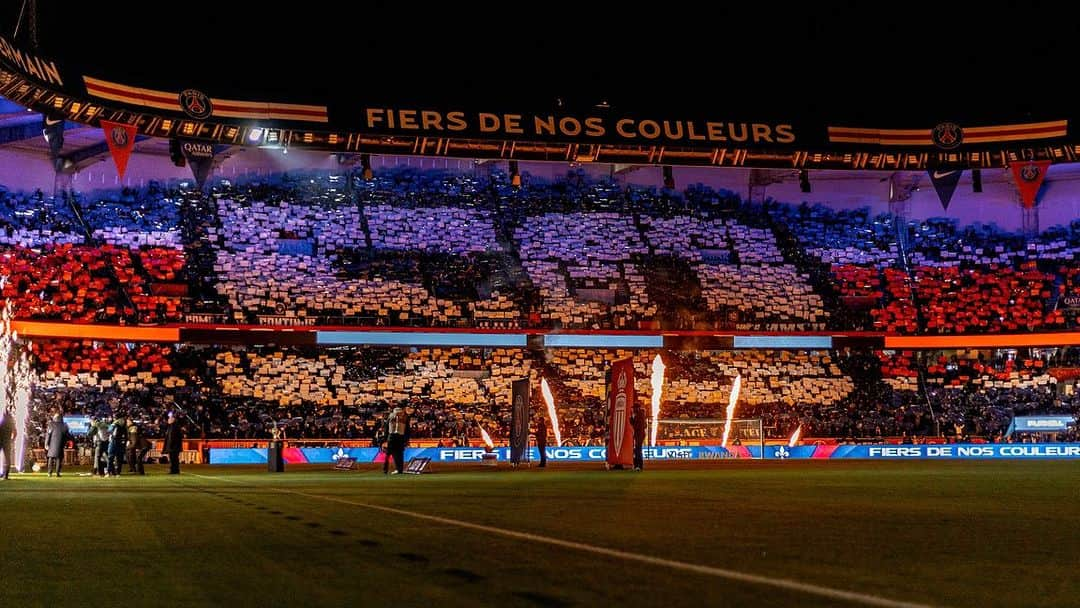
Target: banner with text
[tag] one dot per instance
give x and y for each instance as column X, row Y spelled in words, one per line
column 620, row 396
column 1040, row 424
column 598, row 454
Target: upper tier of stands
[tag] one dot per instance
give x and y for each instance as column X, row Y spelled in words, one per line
column 439, row 249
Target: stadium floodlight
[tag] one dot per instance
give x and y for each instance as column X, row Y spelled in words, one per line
column 365, row 164
column 515, row 174
column 176, row 153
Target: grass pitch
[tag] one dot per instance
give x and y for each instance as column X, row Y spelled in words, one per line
column 937, row 533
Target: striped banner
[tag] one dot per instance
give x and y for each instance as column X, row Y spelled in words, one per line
column 132, row 95
column 224, row 108
column 971, row 135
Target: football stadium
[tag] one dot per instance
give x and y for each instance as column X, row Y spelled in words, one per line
column 322, row 325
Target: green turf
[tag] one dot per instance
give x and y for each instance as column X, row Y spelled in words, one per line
column 943, row 533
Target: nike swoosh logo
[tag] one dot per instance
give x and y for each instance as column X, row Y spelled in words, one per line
column 941, row 174
column 51, row 121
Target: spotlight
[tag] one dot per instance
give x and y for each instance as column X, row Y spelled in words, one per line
column 515, row 176
column 365, row 163
column 976, row 180
column 176, row 154
column 804, row 180
column 255, row 135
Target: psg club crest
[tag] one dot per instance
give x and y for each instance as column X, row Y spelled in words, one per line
column 619, row 422
column 947, row 135
column 1029, row 173
column 119, row 137
column 196, row 104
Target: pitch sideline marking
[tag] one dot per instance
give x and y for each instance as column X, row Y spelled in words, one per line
column 734, row 575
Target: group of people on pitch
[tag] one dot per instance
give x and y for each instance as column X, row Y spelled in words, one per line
column 115, row 442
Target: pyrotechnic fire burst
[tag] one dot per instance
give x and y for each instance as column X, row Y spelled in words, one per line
column 552, row 415
column 487, row 438
column 16, row 382
column 795, row 437
column 732, row 400
column 658, row 368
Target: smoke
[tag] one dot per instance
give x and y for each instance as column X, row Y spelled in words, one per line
column 16, row 382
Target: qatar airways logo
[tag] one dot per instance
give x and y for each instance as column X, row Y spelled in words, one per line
column 197, row 150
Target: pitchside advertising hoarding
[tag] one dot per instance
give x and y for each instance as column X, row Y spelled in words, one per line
column 1040, row 424
column 78, row 425
column 598, row 454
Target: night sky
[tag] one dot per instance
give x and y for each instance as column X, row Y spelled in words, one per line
column 861, row 61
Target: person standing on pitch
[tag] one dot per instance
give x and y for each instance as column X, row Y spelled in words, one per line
column 174, row 443
column 101, row 437
column 118, row 445
column 7, row 441
column 56, row 437
column 397, row 427
column 637, row 422
column 138, row 446
column 541, row 440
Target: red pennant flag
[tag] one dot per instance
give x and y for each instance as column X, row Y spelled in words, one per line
column 1029, row 176
column 121, row 140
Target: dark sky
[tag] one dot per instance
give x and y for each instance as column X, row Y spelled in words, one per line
column 860, row 61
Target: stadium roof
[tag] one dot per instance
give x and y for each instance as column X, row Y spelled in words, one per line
column 819, row 61
column 815, row 87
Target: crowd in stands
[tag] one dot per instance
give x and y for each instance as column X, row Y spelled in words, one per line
column 438, row 249
column 434, row 248
column 241, row 393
